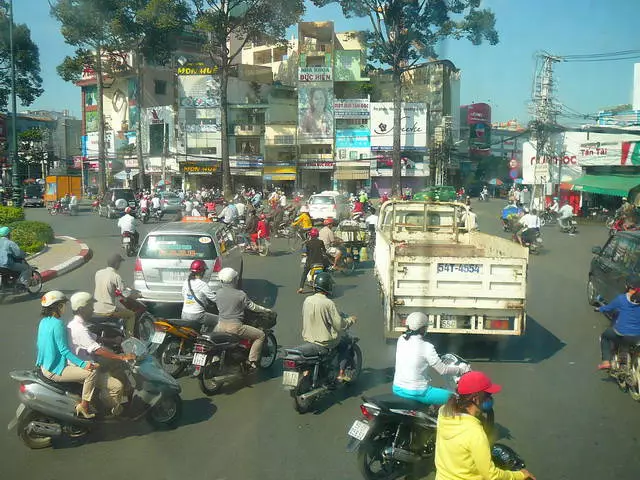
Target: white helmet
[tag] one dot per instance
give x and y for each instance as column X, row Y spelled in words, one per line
column 54, row 296
column 417, row 320
column 227, row 275
column 80, row 299
column 304, row 209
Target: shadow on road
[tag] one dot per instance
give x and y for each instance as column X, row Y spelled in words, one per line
column 536, row 345
column 263, row 292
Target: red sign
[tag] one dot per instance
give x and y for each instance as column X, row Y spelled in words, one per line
column 478, row 113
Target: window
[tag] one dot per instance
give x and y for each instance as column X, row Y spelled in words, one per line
column 624, row 252
column 156, row 139
column 283, row 140
column 178, row 247
column 160, row 87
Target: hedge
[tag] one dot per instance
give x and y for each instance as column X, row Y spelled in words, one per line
column 10, row 215
column 31, row 236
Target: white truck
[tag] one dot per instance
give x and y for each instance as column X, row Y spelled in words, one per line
column 467, row 282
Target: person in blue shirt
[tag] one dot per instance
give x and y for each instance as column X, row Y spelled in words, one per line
column 627, row 305
column 13, row 258
column 54, row 357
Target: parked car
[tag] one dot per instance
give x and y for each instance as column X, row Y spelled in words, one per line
column 328, row 204
column 171, row 202
column 164, row 257
column 613, row 265
column 33, row 196
column 115, row 201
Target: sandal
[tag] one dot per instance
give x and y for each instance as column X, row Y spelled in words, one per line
column 604, row 366
column 83, row 412
column 300, row 290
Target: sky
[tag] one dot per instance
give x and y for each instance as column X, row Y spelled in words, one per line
column 500, row 75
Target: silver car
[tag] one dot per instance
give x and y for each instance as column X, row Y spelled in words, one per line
column 166, row 253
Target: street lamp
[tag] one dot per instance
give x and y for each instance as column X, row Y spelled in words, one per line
column 16, row 194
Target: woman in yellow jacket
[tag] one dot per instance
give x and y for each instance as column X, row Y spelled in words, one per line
column 304, row 219
column 462, row 447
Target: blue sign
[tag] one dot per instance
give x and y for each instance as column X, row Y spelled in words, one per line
column 353, row 138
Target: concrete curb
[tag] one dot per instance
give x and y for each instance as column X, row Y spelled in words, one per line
column 70, row 264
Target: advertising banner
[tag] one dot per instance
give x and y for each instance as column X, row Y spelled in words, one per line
column 353, row 138
column 567, row 167
column 413, row 126
column 198, row 168
column 315, row 74
column 198, row 91
column 315, row 113
column 594, row 149
column 355, row 108
column 479, row 121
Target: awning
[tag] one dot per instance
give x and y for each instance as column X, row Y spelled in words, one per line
column 615, row 185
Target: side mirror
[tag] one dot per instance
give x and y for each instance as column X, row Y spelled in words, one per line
column 596, row 250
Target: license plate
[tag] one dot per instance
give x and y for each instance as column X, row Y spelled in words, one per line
column 158, row 337
column 458, row 268
column 199, row 359
column 126, row 240
column 174, row 276
column 359, row 430
column 448, row 323
column 14, row 422
column 290, row 378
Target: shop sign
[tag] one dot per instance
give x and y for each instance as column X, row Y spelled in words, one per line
column 351, row 108
column 315, row 74
column 413, row 126
column 246, row 161
column 196, row 68
column 198, row 168
column 353, row 138
column 280, row 170
column 317, row 164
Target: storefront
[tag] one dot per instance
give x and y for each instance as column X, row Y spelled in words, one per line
column 414, row 172
column 315, row 176
column 279, row 176
column 246, row 171
column 605, row 191
column 196, row 175
column 352, row 176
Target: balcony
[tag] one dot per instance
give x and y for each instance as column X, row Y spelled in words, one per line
column 246, row 130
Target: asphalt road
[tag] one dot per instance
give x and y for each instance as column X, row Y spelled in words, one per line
column 566, row 419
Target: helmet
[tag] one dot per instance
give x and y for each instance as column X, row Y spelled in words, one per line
column 227, row 275
column 313, row 233
column 624, row 199
column 555, row 198
column 525, row 209
column 417, row 320
column 263, row 216
column 4, row 231
column 198, row 266
column 475, row 382
column 127, row 210
column 80, row 299
column 304, row 209
column 54, row 296
column 323, row 282
column 328, row 221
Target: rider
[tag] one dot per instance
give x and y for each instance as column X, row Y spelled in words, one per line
column 12, row 257
column 414, row 356
column 55, row 359
column 627, row 323
column 262, row 231
column 155, row 202
column 196, row 294
column 128, row 223
column 232, row 302
column 463, row 451
column 322, row 324
column 73, row 203
column 358, row 209
column 316, row 255
column 144, row 202
column 511, row 209
column 530, row 226
column 85, row 346
column 229, row 213
column 331, row 242
column 554, row 208
column 108, row 280
column 565, row 213
column 304, row 219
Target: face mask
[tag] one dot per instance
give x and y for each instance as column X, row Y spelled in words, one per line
column 487, row 405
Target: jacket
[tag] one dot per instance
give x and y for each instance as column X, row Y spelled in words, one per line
column 322, row 324
column 628, row 321
column 303, row 221
column 316, row 251
column 52, row 347
column 463, row 451
column 9, row 252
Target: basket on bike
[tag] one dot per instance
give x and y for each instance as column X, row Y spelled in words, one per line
column 264, row 320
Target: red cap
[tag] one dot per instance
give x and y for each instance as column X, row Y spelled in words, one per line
column 474, row 382
column 313, row 233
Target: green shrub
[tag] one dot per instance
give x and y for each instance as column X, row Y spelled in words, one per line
column 31, row 236
column 10, row 215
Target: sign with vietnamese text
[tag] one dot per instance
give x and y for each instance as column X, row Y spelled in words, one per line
column 351, row 108
column 315, row 74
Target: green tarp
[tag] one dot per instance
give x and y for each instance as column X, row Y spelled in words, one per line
column 616, row 185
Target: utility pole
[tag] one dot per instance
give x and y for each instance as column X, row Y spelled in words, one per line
column 16, row 191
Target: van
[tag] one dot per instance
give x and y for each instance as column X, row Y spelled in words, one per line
column 328, row 204
column 164, row 257
column 613, row 266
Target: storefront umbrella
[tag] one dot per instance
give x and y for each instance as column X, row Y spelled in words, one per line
column 496, row 181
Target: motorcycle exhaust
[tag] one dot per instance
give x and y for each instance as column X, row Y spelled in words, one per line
column 400, row 455
column 313, row 393
column 45, row 429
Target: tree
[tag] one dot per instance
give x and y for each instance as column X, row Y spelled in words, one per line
column 150, row 29
column 27, row 61
column 247, row 21
column 32, row 151
column 405, row 33
column 88, row 25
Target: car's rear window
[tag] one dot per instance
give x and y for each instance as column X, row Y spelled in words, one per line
column 33, row 191
column 178, row 247
column 321, row 200
column 126, row 194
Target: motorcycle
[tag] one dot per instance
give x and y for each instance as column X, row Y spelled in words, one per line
column 158, row 213
column 175, row 339
column 548, row 217
column 568, row 226
column 95, row 206
column 625, row 361
column 533, row 241
column 9, row 282
column 143, row 214
column 47, row 408
column 59, row 208
column 313, row 271
column 308, row 375
column 619, row 225
column 129, row 244
column 396, row 432
column 221, row 358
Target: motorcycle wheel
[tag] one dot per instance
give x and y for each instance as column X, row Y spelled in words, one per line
column 145, row 218
column 269, row 351
column 167, row 412
column 144, row 327
column 299, row 405
column 617, row 369
column 263, row 248
column 53, row 211
column 207, row 379
column 356, row 369
column 31, row 440
column 35, row 284
column 634, row 384
column 168, row 358
column 349, row 265
column 294, row 243
column 543, row 221
column 371, row 462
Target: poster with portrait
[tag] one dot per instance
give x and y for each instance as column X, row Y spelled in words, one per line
column 315, row 112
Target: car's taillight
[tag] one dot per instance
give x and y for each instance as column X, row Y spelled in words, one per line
column 289, row 364
column 217, row 265
column 137, row 270
column 366, row 413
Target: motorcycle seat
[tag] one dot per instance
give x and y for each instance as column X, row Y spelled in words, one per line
column 62, row 387
column 180, row 322
column 390, row 401
column 221, row 337
column 8, row 273
column 631, row 340
column 308, row 350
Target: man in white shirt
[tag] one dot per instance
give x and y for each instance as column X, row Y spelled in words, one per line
column 188, row 206
column 240, row 207
column 73, row 204
column 155, row 202
column 565, row 213
column 554, row 207
column 144, row 202
column 530, row 225
column 331, row 242
column 83, row 343
column 283, row 200
column 128, row 223
column 470, row 220
column 108, row 280
column 229, row 213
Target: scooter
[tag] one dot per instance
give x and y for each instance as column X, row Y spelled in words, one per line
column 47, row 408
column 9, row 282
column 129, row 243
column 569, row 225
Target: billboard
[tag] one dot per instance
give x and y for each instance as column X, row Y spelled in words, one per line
column 315, row 113
column 479, row 122
column 566, row 166
column 315, row 74
column 413, row 126
column 199, row 91
column 351, row 108
column 352, row 138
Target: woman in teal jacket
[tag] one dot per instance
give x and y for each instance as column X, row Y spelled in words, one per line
column 55, row 359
